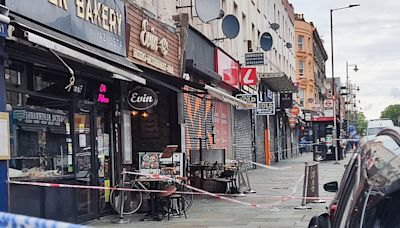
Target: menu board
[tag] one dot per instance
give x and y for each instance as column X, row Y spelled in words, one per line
column 126, row 138
column 149, row 162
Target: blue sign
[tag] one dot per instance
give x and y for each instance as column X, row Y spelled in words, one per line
column 14, row 220
column 101, row 23
column 3, row 30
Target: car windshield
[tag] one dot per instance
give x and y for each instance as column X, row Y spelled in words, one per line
column 374, row 131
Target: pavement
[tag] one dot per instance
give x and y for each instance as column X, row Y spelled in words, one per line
column 271, row 185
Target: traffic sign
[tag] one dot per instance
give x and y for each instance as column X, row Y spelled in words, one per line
column 248, row 76
column 3, row 30
column 328, row 103
column 295, row 111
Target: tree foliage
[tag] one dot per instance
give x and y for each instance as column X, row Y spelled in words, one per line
column 361, row 122
column 392, row 112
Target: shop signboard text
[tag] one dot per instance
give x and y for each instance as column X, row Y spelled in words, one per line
column 101, row 23
column 248, row 98
column 142, row 98
column 265, row 108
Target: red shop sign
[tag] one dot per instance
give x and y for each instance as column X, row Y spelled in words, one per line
column 295, row 111
column 227, row 68
column 248, row 76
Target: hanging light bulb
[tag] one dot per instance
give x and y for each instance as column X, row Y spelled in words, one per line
column 134, row 113
column 145, row 114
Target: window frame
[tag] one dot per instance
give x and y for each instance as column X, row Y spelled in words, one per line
column 301, row 67
column 300, row 42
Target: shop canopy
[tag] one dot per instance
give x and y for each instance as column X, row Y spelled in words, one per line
column 172, row 82
column 119, row 66
column 278, row 82
column 227, row 98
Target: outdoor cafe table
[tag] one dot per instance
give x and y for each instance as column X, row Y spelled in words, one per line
column 154, row 201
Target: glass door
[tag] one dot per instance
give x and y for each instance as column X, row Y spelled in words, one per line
column 85, row 163
column 103, row 157
column 92, row 159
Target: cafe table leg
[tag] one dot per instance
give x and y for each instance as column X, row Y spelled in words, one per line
column 155, row 202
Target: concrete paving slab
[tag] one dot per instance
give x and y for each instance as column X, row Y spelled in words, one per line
column 208, row 212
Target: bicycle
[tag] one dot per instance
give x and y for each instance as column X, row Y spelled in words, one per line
column 133, row 200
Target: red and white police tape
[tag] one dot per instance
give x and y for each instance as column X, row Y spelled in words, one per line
column 227, row 197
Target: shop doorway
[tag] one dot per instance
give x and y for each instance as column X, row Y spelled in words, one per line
column 91, row 159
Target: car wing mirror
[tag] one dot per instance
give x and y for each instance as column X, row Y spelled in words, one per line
column 320, row 221
column 331, row 186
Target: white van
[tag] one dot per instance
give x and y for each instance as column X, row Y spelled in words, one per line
column 374, row 126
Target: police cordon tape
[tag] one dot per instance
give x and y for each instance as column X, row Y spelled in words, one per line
column 297, row 147
column 227, row 197
column 220, row 196
column 14, row 220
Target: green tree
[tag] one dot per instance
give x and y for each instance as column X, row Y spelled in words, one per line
column 392, row 112
column 361, row 123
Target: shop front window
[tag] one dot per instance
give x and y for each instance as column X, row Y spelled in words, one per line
column 41, row 143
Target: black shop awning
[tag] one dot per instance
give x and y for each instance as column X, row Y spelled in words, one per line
column 278, row 82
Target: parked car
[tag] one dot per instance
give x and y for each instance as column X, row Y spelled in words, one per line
column 369, row 193
column 376, row 125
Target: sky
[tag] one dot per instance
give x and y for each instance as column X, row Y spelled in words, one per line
column 368, row 36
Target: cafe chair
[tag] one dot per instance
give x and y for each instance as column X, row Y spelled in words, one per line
column 228, row 177
column 165, row 197
column 177, row 206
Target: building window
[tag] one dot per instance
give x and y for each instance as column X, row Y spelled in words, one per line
column 301, row 67
column 300, row 42
column 301, row 96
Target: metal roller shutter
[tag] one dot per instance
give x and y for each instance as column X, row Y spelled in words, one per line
column 260, row 139
column 243, row 135
column 222, row 127
column 198, row 119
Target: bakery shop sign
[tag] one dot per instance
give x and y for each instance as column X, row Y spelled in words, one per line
column 150, row 41
column 142, row 98
column 97, row 22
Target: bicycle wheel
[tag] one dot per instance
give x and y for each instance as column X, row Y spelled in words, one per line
column 132, row 200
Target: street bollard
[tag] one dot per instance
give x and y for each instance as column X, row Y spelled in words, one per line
column 310, row 186
column 303, row 205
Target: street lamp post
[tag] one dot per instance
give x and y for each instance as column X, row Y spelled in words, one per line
column 333, row 83
column 348, row 92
